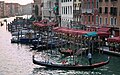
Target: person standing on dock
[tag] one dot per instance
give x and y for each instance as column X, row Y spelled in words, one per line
column 90, row 58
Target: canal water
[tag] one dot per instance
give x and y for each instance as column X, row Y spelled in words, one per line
column 16, row 59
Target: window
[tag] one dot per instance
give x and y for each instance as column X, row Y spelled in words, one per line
column 89, row 18
column 106, row 21
column 115, row 21
column 111, row 21
column 100, row 20
column 79, row 4
column 106, row 10
column 66, row 10
column 100, row 9
column 62, row 10
column 96, row 19
column 113, row 11
column 92, row 18
column 70, row 9
column 97, row 5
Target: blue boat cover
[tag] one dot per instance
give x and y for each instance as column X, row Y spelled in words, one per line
column 90, row 34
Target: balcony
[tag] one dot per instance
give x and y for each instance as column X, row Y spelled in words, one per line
column 113, row 13
column 87, row 11
column 77, row 12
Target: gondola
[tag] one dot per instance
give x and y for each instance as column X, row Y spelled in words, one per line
column 68, row 66
column 49, row 45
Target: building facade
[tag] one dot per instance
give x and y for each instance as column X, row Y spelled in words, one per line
column 109, row 14
column 70, row 12
column 37, row 11
column 90, row 12
column 12, row 9
column 77, row 10
column 66, row 12
column 27, row 9
column 7, row 9
column 48, row 9
column 2, row 9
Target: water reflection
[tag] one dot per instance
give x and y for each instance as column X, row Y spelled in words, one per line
column 48, row 71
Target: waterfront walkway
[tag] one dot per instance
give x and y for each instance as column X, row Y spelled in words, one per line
column 107, row 51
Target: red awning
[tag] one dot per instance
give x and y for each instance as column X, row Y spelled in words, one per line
column 103, row 34
column 39, row 24
column 114, row 39
column 70, row 31
column 103, row 29
column 52, row 24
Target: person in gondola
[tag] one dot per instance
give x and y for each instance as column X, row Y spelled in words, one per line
column 90, row 58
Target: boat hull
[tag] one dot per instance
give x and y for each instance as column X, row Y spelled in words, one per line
column 72, row 67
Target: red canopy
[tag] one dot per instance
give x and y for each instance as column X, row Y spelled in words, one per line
column 70, row 31
column 114, row 39
column 103, row 34
column 103, row 29
column 39, row 24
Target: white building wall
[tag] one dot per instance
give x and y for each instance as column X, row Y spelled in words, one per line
column 66, row 17
column 46, row 8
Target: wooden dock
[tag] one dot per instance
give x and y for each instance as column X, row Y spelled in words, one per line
column 107, row 51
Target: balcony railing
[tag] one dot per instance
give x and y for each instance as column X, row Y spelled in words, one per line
column 87, row 10
column 113, row 13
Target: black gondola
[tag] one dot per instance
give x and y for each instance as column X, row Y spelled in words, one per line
column 50, row 45
column 71, row 52
column 68, row 66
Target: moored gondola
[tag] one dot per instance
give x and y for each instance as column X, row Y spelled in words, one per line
column 68, row 66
